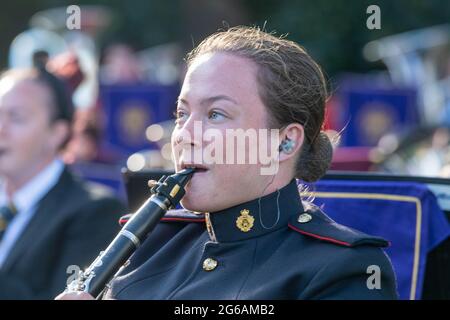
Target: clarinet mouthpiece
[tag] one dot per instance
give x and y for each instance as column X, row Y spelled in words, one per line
column 184, row 176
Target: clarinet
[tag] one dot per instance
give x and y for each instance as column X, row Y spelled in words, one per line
column 166, row 194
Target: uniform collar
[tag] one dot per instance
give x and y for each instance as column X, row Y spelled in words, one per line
column 255, row 218
column 36, row 188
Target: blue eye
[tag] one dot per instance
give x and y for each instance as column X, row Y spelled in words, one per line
column 214, row 115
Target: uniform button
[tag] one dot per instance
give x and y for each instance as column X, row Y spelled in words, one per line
column 209, row 264
column 304, row 218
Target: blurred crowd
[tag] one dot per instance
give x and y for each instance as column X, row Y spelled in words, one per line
column 54, row 116
column 376, row 119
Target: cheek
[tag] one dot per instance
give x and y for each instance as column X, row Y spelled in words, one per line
column 22, row 133
column 176, row 145
column 174, row 148
column 32, row 138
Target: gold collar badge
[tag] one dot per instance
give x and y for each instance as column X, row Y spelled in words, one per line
column 245, row 221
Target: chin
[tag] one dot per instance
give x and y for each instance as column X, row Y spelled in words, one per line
column 190, row 204
column 197, row 205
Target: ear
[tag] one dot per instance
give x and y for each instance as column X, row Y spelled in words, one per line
column 59, row 134
column 295, row 133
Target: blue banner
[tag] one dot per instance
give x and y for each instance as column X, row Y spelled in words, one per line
column 405, row 213
column 368, row 110
column 129, row 110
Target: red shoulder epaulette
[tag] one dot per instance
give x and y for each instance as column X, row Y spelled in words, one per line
column 314, row 223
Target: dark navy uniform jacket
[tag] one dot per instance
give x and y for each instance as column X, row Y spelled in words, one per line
column 250, row 252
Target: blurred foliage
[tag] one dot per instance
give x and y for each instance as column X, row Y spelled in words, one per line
column 334, row 32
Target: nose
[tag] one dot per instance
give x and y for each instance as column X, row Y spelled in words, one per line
column 190, row 134
column 187, row 141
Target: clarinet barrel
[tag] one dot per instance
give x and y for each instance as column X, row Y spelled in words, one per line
column 166, row 194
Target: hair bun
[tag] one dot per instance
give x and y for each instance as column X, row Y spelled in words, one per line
column 314, row 162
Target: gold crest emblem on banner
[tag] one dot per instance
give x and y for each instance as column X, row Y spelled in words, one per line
column 133, row 119
column 245, row 221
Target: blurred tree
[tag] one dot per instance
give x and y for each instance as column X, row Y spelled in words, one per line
column 334, row 32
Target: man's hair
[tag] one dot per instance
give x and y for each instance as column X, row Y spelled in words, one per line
column 291, row 85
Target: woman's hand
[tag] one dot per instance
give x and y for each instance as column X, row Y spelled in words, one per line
column 74, row 296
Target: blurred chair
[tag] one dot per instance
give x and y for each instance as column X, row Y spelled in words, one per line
column 108, row 175
column 404, row 212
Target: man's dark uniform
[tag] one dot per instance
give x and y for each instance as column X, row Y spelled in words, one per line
column 247, row 252
column 72, row 223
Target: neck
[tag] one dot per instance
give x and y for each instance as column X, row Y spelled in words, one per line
column 274, row 183
column 14, row 183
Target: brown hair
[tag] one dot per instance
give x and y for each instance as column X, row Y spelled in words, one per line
column 292, row 87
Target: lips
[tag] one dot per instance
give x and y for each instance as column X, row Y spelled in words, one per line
column 197, row 167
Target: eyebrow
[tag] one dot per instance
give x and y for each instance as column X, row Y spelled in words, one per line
column 209, row 100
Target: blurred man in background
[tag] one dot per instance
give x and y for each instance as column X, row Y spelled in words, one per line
column 48, row 219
